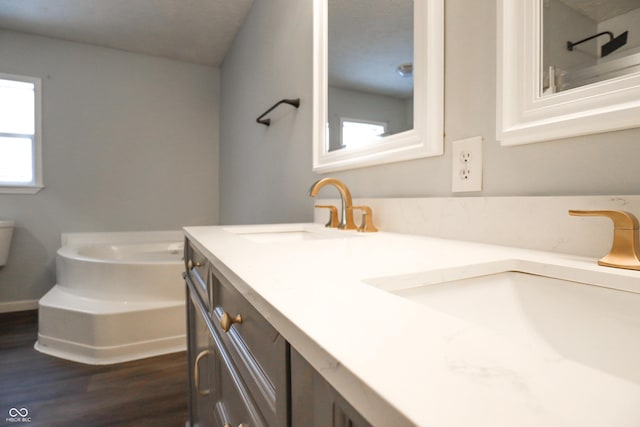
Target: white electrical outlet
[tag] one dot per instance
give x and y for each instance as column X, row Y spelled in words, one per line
column 466, row 165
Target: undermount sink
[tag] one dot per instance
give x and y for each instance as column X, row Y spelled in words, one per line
column 282, row 233
column 593, row 325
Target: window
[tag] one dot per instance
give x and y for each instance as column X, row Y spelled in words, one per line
column 20, row 145
column 360, row 133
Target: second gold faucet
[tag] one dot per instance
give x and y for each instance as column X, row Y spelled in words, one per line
column 625, row 249
column 346, row 218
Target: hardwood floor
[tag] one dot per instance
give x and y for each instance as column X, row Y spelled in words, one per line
column 60, row 393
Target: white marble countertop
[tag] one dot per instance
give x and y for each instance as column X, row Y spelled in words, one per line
column 401, row 363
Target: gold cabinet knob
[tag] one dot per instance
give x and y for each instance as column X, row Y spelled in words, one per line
column 191, row 265
column 226, row 321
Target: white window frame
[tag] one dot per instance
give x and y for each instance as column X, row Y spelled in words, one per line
column 35, row 185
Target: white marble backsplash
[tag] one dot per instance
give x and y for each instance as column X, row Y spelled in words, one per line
column 541, row 223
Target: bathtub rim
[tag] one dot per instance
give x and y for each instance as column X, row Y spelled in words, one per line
column 71, row 243
column 72, row 253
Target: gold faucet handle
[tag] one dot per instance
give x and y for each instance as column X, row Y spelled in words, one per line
column 333, row 215
column 367, row 219
column 621, row 220
column 625, row 247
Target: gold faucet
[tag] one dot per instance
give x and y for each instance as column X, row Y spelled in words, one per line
column 333, row 222
column 367, row 219
column 624, row 250
column 346, row 221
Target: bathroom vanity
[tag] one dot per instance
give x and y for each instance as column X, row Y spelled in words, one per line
column 299, row 325
column 248, row 375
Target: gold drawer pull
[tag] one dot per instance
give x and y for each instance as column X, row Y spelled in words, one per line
column 191, row 265
column 196, row 372
column 226, row 321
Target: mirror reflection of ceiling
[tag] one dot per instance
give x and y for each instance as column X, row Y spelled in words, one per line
column 198, row 31
column 368, row 40
column 601, row 10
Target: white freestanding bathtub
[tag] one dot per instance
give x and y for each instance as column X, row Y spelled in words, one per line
column 118, row 297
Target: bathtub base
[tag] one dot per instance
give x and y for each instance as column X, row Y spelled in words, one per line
column 101, row 332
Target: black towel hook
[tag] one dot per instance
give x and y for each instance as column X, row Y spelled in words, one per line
column 293, row 102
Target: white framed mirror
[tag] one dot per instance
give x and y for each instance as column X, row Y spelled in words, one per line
column 566, row 68
column 378, row 91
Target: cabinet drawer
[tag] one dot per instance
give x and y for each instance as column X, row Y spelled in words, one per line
column 257, row 349
column 223, row 398
column 196, row 268
column 234, row 405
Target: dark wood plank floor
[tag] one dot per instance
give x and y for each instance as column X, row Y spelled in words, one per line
column 60, row 393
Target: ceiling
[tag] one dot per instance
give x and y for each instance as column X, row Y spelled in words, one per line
column 198, row 31
column 601, row 10
column 368, row 40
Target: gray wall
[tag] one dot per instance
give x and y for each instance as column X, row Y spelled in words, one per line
column 266, row 172
column 129, row 142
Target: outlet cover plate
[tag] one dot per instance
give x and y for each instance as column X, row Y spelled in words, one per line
column 466, row 165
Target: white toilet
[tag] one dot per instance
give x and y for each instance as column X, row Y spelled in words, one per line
column 6, row 231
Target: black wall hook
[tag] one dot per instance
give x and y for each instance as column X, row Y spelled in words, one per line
column 293, row 102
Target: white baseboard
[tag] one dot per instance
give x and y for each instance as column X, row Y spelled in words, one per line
column 11, row 306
